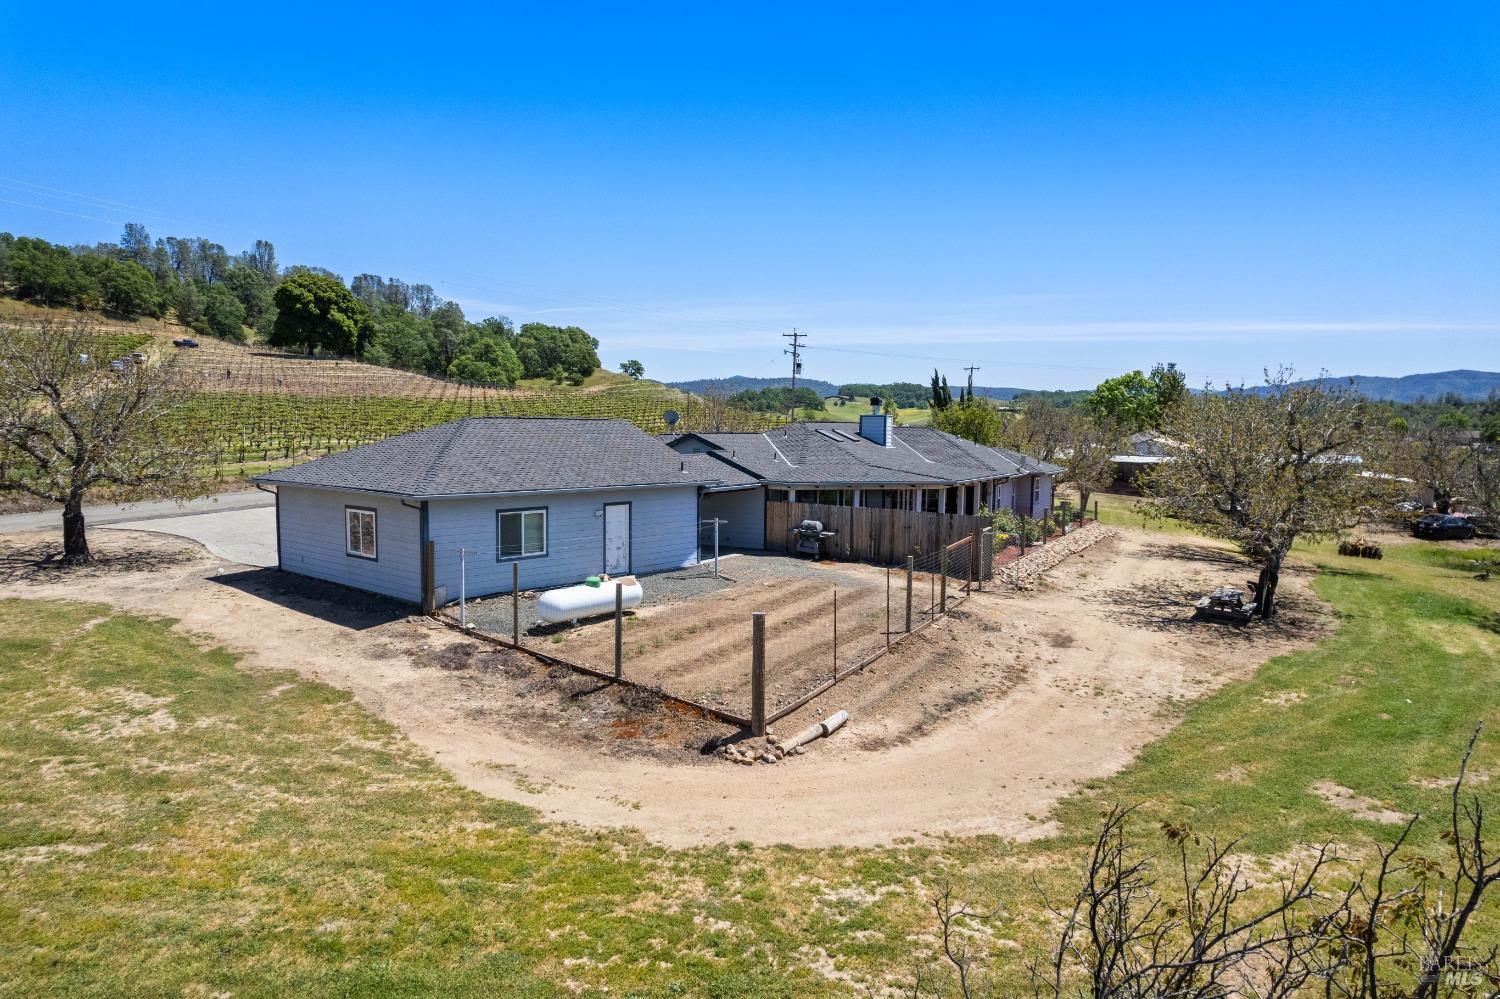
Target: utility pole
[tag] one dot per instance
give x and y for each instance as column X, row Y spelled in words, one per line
column 796, row 336
column 971, row 369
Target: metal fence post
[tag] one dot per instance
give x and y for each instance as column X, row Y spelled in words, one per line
column 619, row 630
column 515, row 604
column 911, row 564
column 463, row 603
column 758, row 673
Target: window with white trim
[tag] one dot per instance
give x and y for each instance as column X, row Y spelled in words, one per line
column 523, row 533
column 359, row 531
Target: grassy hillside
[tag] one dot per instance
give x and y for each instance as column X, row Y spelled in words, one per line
column 850, row 412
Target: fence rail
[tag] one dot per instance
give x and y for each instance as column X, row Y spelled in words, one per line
column 870, row 534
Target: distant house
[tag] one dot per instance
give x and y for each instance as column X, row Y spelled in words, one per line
column 1141, row 451
column 563, row 498
column 870, row 464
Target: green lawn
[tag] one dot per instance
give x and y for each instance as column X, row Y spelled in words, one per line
column 174, row 823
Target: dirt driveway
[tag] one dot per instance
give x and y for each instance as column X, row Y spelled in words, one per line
column 979, row 725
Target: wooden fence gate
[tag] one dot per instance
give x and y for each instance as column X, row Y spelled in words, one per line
column 870, row 534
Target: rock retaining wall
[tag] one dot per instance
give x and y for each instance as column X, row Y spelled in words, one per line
column 1024, row 572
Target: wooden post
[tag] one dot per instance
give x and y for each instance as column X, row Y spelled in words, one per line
column 976, row 556
column 1096, row 511
column 969, row 569
column 943, row 583
column 619, row 630
column 911, row 563
column 835, row 633
column 758, row 673
column 429, row 586
column 887, row 606
column 515, row 604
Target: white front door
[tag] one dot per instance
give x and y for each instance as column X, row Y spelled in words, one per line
column 617, row 539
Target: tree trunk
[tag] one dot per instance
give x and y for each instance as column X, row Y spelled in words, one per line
column 1265, row 589
column 1443, row 502
column 1083, row 503
column 75, row 541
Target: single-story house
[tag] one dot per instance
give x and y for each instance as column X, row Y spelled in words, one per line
column 562, row 498
column 565, row 499
column 1142, row 450
column 870, row 464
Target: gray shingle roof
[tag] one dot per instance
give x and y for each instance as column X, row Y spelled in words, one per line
column 835, row 454
column 485, row 456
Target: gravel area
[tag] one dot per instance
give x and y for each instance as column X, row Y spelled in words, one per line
column 492, row 614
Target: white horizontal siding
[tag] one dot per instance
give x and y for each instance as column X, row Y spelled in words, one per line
column 663, row 536
column 311, row 534
column 745, row 510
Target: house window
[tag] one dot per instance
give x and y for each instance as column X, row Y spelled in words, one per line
column 359, row 532
column 776, row 495
column 523, row 533
column 931, row 499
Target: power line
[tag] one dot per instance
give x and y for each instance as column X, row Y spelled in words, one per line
column 59, row 211
column 57, row 192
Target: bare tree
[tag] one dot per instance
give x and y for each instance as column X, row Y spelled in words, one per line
column 1482, row 481
column 70, row 422
column 1268, row 466
column 1041, row 430
column 1394, row 931
column 1439, row 456
column 1088, row 458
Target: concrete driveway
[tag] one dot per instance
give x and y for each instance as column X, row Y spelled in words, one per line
column 244, row 536
column 239, row 526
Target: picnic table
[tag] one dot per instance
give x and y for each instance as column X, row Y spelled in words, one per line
column 1225, row 604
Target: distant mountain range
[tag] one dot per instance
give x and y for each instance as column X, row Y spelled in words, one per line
column 1470, row 385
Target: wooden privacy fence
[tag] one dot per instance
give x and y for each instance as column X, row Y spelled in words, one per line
column 870, row 534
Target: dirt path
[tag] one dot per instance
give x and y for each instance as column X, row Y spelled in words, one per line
column 979, row 726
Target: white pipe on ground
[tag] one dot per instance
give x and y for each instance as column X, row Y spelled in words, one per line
column 821, row 730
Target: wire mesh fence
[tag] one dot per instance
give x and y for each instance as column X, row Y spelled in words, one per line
column 695, row 642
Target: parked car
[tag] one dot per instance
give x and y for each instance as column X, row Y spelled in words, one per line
column 120, row 364
column 138, row 357
column 186, row 341
column 1444, row 527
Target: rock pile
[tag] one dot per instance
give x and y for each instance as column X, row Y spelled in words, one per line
column 753, row 751
column 1023, row 573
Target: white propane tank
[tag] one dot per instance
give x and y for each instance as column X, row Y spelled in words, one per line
column 573, row 602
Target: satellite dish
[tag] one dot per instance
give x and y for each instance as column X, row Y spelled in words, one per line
column 671, row 417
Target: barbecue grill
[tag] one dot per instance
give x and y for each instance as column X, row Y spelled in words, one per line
column 810, row 537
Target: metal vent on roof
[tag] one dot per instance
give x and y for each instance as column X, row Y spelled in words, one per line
column 830, row 434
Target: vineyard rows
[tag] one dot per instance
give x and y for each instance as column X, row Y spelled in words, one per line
column 243, row 427
column 257, row 405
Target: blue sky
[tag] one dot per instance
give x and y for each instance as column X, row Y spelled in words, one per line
column 1054, row 193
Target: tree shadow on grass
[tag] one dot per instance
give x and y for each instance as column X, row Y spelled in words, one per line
column 341, row 605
